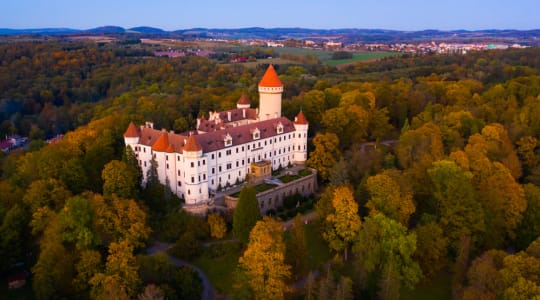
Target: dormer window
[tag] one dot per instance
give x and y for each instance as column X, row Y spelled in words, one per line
column 279, row 128
column 256, row 134
column 228, row 140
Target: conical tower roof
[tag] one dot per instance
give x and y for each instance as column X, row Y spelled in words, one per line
column 131, row 131
column 162, row 143
column 192, row 145
column 300, row 119
column 270, row 78
column 243, row 100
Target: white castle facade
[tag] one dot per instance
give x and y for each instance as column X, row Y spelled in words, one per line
column 221, row 150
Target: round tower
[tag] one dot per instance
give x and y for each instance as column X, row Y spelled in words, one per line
column 301, row 126
column 131, row 136
column 270, row 91
column 243, row 102
column 195, row 167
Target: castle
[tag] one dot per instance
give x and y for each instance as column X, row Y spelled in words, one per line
column 224, row 149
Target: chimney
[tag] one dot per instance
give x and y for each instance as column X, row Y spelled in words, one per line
column 198, row 122
column 229, row 116
column 244, row 113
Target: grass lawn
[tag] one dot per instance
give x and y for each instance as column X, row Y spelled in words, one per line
column 288, row 178
column 304, row 172
column 438, row 289
column 220, row 270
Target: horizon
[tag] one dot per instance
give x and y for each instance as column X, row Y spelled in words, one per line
column 169, row 15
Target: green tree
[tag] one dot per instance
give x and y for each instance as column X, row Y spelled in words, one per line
column 341, row 227
column 431, row 249
column 529, row 228
column 385, row 250
column 246, row 213
column 297, row 247
column 264, row 261
column 76, row 221
column 458, row 211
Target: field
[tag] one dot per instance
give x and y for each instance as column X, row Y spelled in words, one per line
column 325, row 56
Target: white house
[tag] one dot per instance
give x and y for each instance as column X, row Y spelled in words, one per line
column 220, row 151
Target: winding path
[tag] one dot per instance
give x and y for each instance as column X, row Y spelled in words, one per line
column 158, row 247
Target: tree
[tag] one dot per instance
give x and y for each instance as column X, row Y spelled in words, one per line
column 120, row 271
column 458, row 211
column 246, row 213
column 46, row 192
column 297, row 247
column 119, row 219
column 325, row 155
column 76, row 221
column 120, row 179
column 89, row 264
column 431, row 249
column 218, row 228
column 386, row 197
column 151, row 292
column 342, row 226
column 529, row 228
column 264, row 261
column 383, row 247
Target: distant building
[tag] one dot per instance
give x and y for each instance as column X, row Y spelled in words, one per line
column 223, row 149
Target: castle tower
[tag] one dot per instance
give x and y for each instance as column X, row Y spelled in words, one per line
column 300, row 138
column 195, row 168
column 270, row 91
column 243, row 102
column 131, row 136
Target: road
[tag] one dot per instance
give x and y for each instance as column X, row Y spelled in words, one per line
column 158, row 247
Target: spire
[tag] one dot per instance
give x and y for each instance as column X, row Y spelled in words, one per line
column 300, row 119
column 243, row 100
column 270, row 78
column 162, row 143
column 192, row 145
column 131, row 131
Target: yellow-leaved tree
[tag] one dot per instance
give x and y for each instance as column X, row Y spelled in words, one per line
column 343, row 224
column 218, row 228
column 263, row 261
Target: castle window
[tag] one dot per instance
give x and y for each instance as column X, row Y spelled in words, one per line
column 189, row 192
column 236, row 150
column 256, row 134
column 228, row 152
column 265, row 143
column 178, row 158
column 166, row 157
column 213, row 170
column 179, row 173
column 204, row 176
column 199, row 178
column 144, row 150
column 179, row 183
column 219, row 168
column 219, row 154
column 242, row 148
column 212, row 181
column 248, row 147
column 192, row 179
column 199, row 163
column 237, row 163
column 204, row 162
column 229, row 165
column 145, row 164
column 212, row 155
column 167, row 166
column 154, row 155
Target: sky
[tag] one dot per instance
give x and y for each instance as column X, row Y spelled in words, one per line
column 316, row 14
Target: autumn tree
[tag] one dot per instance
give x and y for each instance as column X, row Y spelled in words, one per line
column 218, row 228
column 120, row 179
column 325, row 155
column 341, row 226
column 529, row 228
column 387, row 197
column 384, row 249
column 264, row 261
column 246, row 213
column 431, row 249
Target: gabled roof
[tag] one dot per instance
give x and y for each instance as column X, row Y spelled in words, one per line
column 300, row 119
column 192, row 145
column 131, row 131
column 162, row 143
column 243, row 100
column 270, row 78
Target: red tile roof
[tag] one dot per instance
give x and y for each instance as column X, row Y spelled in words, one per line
column 192, row 145
column 131, row 131
column 243, row 100
column 162, row 143
column 300, row 119
column 270, row 78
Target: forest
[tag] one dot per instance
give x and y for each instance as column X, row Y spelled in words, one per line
column 429, row 168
